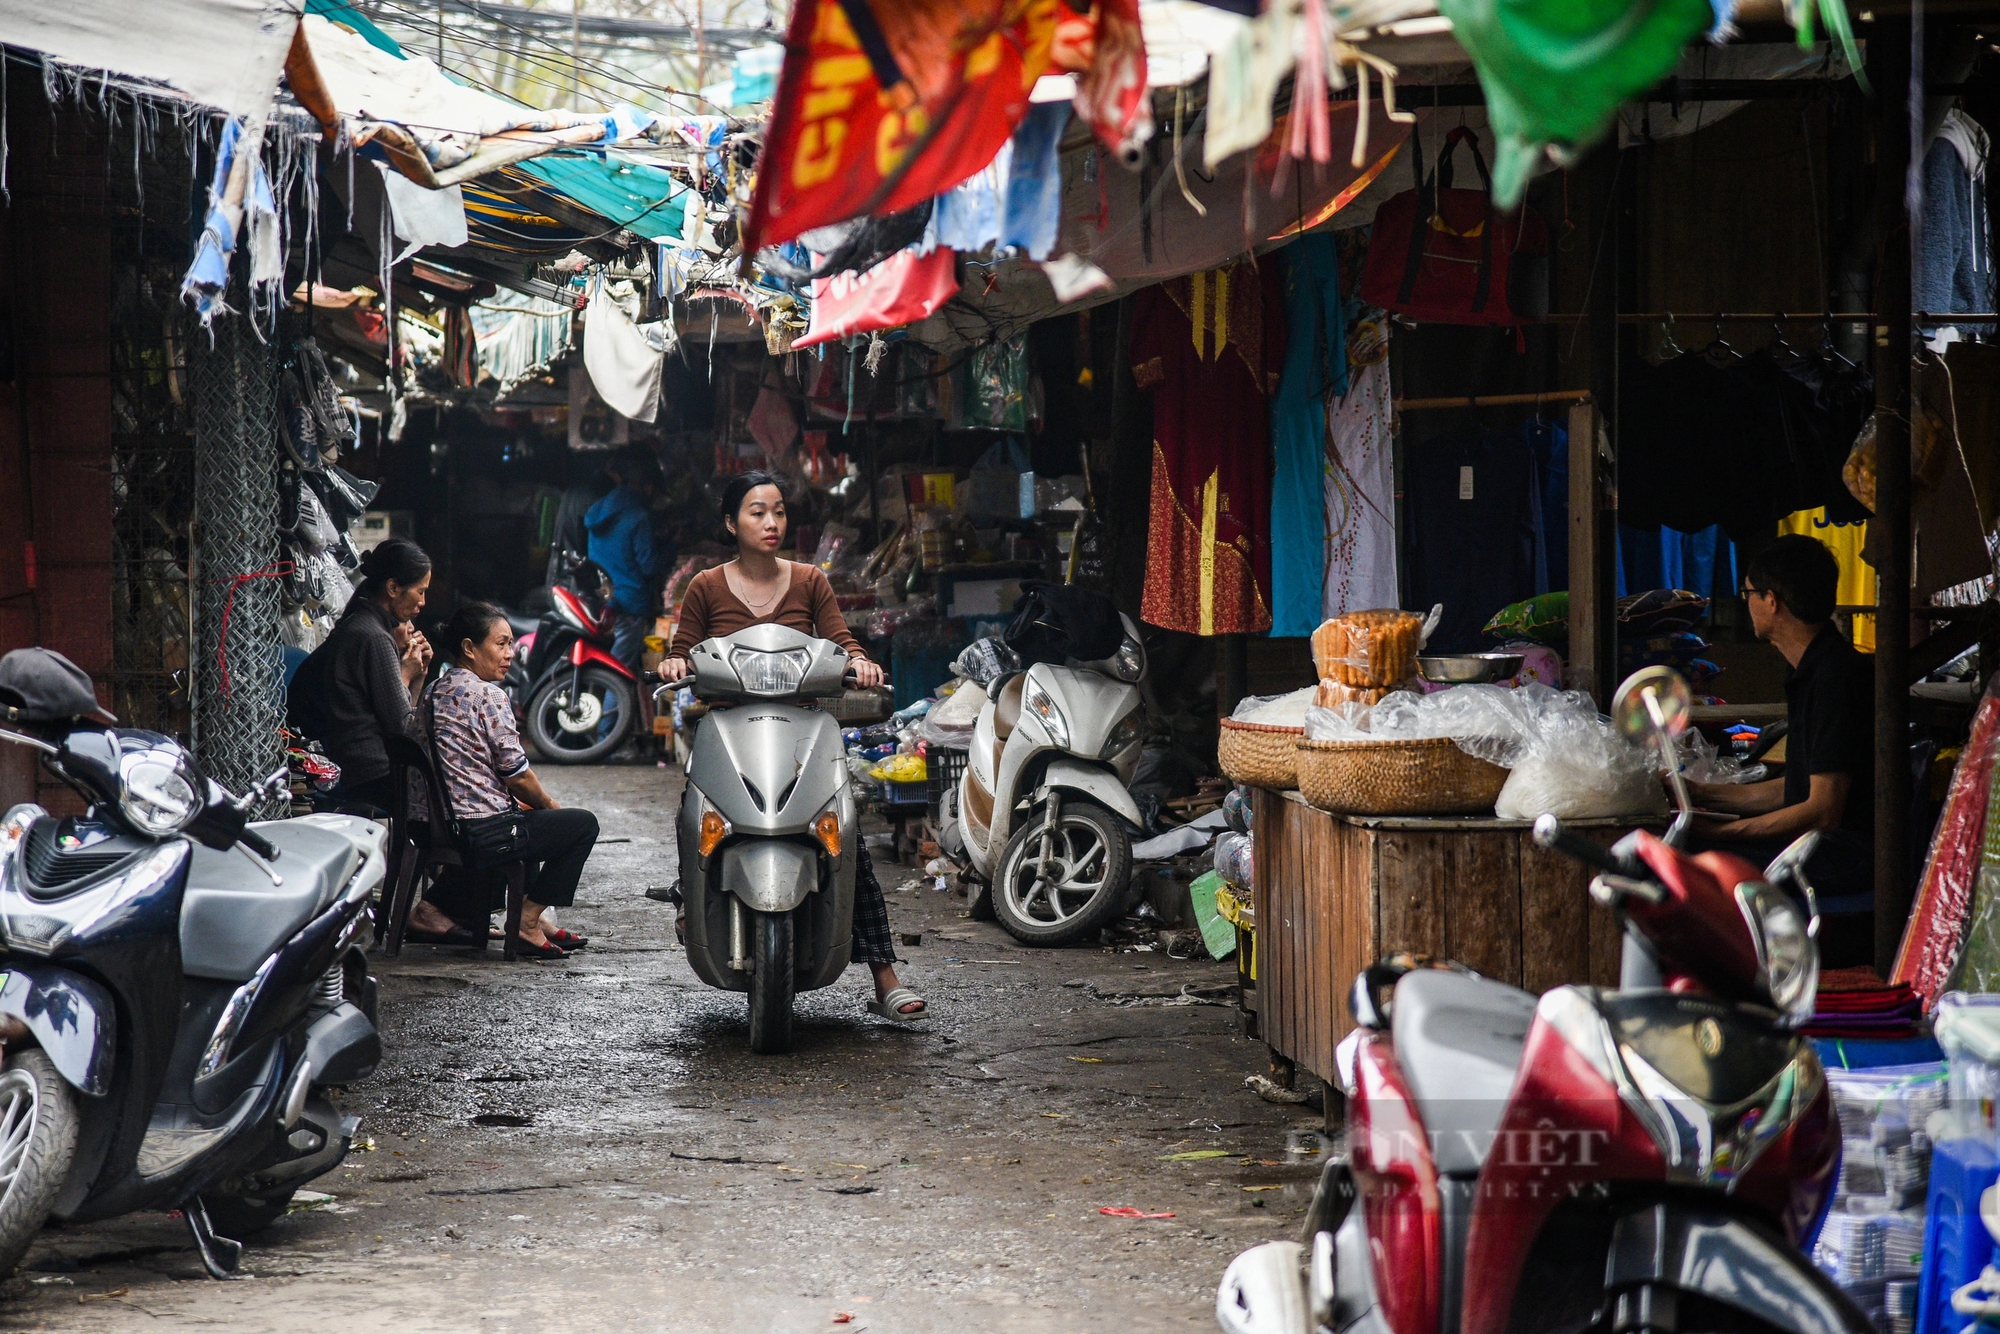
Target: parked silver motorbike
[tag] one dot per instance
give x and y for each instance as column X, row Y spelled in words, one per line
column 1042, row 809
column 768, row 835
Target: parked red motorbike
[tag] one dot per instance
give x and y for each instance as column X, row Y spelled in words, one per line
column 578, row 704
column 1654, row 1158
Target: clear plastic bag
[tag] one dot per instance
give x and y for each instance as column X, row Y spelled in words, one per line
column 1235, row 859
column 1287, row 710
column 951, row 722
column 1368, row 648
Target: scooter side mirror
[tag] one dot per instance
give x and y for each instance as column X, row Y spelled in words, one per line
column 1655, row 703
column 1791, row 865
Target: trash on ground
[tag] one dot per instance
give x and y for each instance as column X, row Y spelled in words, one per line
column 1127, row 1211
column 1193, row 1155
column 1271, row 1091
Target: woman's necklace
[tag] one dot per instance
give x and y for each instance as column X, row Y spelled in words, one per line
column 759, row 608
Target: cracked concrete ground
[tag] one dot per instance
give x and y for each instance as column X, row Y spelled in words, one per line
column 589, row 1145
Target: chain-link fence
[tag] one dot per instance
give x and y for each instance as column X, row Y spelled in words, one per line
column 239, row 694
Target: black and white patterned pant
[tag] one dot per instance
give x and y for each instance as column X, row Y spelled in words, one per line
column 872, row 942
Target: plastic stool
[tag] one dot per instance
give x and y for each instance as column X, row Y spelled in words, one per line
column 1956, row 1243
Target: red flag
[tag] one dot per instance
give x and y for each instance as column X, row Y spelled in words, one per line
column 1106, row 50
column 884, row 103
column 902, row 289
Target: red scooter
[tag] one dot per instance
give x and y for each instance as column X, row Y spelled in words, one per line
column 577, row 703
column 1655, row 1158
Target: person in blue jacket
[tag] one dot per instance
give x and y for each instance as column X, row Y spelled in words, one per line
column 621, row 540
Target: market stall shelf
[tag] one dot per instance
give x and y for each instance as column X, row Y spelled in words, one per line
column 1336, row 893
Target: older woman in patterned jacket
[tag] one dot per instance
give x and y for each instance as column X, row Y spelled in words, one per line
column 469, row 721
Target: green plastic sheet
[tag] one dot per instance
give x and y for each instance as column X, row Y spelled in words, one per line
column 1216, row 931
column 1555, row 71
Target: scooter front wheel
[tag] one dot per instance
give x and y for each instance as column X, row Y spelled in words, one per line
column 38, row 1122
column 772, row 983
column 1056, row 885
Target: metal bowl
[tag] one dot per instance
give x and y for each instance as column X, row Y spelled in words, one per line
column 1468, row 668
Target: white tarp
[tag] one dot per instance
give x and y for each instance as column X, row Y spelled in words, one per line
column 224, row 53
column 448, row 119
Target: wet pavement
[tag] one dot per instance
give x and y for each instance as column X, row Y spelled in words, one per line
column 589, row 1145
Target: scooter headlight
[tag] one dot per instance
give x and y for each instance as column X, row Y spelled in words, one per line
column 1129, row 662
column 1786, row 951
column 1043, row 705
column 1123, row 735
column 763, row 672
column 160, row 792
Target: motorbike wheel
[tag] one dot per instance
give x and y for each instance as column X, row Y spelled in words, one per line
column 771, row 983
column 1077, row 890
column 38, row 1122
column 239, row 1216
column 565, row 731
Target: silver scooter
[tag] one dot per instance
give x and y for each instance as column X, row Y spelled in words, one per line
column 768, row 834
column 1042, row 810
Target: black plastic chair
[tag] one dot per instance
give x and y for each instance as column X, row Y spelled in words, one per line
column 428, row 847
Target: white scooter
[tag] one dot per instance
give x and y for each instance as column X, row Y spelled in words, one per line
column 1042, row 810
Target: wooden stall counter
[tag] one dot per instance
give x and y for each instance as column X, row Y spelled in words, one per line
column 1335, row 893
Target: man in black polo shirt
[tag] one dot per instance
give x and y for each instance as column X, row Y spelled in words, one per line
column 1829, row 782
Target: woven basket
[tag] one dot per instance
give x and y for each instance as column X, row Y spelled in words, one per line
column 1429, row 777
column 1259, row 755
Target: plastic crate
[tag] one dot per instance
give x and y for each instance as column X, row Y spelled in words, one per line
column 903, row 794
column 947, row 766
column 1956, row 1243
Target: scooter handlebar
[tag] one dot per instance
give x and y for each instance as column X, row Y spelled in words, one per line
column 1550, row 834
column 260, row 845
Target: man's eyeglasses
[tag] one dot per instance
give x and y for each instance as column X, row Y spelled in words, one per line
column 1748, row 592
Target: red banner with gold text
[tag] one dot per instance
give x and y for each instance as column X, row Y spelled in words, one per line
column 884, row 103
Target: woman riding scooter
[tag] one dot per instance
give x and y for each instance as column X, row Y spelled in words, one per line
column 757, row 588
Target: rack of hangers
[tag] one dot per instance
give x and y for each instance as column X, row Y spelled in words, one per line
column 1493, row 400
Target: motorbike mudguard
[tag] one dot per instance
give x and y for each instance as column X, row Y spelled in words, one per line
column 583, row 652
column 768, row 874
column 1099, row 784
column 70, row 1017
column 1727, row 1259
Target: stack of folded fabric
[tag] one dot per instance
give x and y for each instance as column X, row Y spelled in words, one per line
column 1856, row 1003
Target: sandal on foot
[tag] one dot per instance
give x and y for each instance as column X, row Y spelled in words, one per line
column 569, row 940
column 891, row 1006
column 528, row 949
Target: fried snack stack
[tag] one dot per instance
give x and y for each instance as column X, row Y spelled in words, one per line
column 1367, row 650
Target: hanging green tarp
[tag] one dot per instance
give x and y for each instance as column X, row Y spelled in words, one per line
column 644, row 200
column 1554, row 71
column 339, row 11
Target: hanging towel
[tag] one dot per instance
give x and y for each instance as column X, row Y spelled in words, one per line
column 1034, row 182
column 967, row 217
column 623, row 358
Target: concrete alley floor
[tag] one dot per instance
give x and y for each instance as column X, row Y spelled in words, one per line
column 588, row 1145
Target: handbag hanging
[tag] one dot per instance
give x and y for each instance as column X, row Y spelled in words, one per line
column 484, row 841
column 1444, row 255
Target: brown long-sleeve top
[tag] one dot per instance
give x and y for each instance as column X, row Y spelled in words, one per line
column 711, row 609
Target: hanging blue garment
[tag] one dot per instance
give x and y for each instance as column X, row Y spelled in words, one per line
column 1548, row 443
column 1033, row 219
column 967, row 216
column 1315, row 366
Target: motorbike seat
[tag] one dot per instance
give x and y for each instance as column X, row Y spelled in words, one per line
column 1007, row 706
column 1458, row 1042
column 233, row 917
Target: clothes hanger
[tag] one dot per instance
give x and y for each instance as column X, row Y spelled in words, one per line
column 1827, row 348
column 1718, row 347
column 1667, row 336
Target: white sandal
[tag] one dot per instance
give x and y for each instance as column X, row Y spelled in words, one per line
column 891, row 1006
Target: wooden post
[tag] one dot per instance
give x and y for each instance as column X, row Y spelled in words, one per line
column 1897, row 62
column 1590, row 593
